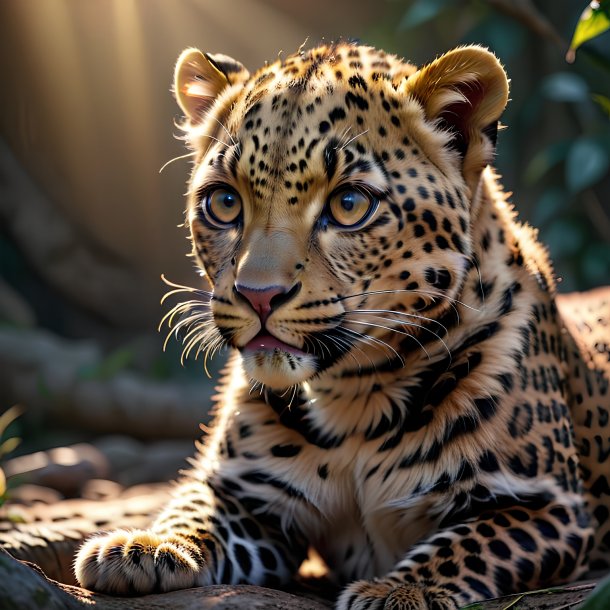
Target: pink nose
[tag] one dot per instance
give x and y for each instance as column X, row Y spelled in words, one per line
column 262, row 300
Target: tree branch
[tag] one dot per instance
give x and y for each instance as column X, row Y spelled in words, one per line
column 526, row 13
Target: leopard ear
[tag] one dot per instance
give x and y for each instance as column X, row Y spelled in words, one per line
column 200, row 78
column 464, row 91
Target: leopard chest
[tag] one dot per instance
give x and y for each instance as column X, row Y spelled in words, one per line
column 366, row 511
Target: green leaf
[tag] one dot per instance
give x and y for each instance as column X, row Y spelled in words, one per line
column 9, row 416
column 586, row 164
column 420, row 12
column 600, row 598
column 565, row 87
column 594, row 20
column 10, row 444
column 603, row 101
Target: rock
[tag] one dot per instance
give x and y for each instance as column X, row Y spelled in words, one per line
column 49, row 535
column 160, row 461
column 29, row 495
column 27, row 588
column 101, row 489
column 65, row 469
column 71, row 384
column 121, row 451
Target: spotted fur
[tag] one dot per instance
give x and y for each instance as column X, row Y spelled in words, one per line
column 406, row 392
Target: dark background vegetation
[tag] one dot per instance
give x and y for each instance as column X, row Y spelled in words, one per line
column 88, row 224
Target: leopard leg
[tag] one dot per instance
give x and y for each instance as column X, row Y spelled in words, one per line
column 206, row 535
column 501, row 552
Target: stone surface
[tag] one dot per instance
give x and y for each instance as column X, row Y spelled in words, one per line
column 48, row 535
column 65, row 469
column 27, row 588
column 37, row 526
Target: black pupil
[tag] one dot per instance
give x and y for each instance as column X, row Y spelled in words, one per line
column 347, row 201
column 228, row 200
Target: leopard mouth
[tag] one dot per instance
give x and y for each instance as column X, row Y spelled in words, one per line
column 268, row 344
column 277, row 364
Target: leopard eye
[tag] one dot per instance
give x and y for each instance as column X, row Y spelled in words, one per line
column 222, row 207
column 350, row 207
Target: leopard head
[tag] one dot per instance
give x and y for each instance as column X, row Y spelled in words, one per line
column 331, row 200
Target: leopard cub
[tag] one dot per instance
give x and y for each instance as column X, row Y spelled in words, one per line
column 406, row 392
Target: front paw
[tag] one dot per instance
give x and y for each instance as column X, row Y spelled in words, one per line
column 383, row 595
column 138, row 562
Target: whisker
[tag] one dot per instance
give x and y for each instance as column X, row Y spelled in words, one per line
column 405, row 323
column 254, row 385
column 323, row 345
column 344, row 343
column 374, row 342
column 194, row 336
column 188, row 317
column 401, row 313
column 227, row 132
column 183, row 309
column 181, row 288
column 195, row 315
column 343, row 137
column 210, row 351
column 352, row 139
column 207, row 135
column 191, row 154
column 389, row 328
column 399, row 290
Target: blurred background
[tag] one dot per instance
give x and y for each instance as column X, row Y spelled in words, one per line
column 88, row 223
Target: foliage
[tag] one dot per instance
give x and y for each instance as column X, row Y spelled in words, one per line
column 595, row 20
column 598, row 600
column 7, row 443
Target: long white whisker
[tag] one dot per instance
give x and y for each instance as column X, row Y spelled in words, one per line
column 207, row 135
column 343, row 137
column 389, row 328
column 253, row 386
column 374, row 340
column 196, row 308
column 226, row 131
column 405, row 323
column 191, row 154
column 401, row 314
column 195, row 335
column 181, row 288
column 351, row 345
column 352, row 139
column 415, row 291
column 343, row 344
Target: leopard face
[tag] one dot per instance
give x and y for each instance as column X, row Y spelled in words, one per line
column 322, row 199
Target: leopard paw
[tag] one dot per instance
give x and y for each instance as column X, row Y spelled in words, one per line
column 382, row 595
column 138, row 562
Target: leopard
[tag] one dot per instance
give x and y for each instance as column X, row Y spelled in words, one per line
column 406, row 392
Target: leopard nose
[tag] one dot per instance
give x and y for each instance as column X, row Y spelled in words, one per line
column 265, row 300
